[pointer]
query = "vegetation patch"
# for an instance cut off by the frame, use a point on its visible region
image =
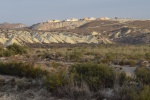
(13, 49)
(21, 70)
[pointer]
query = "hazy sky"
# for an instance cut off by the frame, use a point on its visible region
(34, 11)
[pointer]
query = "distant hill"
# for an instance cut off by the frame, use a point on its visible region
(11, 26)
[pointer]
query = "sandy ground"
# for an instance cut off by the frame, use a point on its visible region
(130, 71)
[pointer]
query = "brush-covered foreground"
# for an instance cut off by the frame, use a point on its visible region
(79, 73)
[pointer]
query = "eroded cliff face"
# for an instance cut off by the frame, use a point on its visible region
(122, 35)
(55, 25)
(8, 37)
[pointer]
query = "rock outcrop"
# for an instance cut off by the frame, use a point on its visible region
(55, 25)
(8, 37)
(128, 35)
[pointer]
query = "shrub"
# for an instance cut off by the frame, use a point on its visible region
(21, 70)
(2, 82)
(130, 62)
(95, 75)
(145, 93)
(17, 49)
(55, 80)
(143, 74)
(75, 92)
(133, 93)
(147, 55)
(122, 78)
(74, 55)
(127, 93)
(55, 64)
(13, 50)
(110, 56)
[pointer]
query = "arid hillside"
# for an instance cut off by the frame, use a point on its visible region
(78, 32)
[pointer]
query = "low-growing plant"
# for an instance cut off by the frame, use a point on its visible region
(13, 50)
(143, 75)
(75, 55)
(56, 64)
(145, 93)
(129, 62)
(147, 56)
(21, 70)
(75, 92)
(97, 76)
(55, 80)
(133, 92)
(2, 82)
(17, 49)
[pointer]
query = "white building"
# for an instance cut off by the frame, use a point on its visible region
(104, 18)
(71, 20)
(74, 19)
(68, 20)
(92, 18)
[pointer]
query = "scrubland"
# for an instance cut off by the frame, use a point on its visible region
(80, 72)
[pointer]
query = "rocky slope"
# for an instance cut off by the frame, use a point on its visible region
(55, 25)
(131, 36)
(8, 37)
(98, 31)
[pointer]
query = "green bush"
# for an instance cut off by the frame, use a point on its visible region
(110, 56)
(55, 80)
(143, 75)
(55, 64)
(134, 93)
(147, 55)
(95, 75)
(21, 70)
(74, 55)
(17, 49)
(13, 50)
(145, 93)
(130, 62)
(122, 78)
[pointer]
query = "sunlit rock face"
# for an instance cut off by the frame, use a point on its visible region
(8, 37)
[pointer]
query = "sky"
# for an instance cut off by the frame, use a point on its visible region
(35, 11)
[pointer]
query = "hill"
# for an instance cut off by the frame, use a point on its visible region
(78, 32)
(11, 26)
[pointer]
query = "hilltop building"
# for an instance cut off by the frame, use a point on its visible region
(92, 18)
(88, 18)
(71, 20)
(104, 18)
